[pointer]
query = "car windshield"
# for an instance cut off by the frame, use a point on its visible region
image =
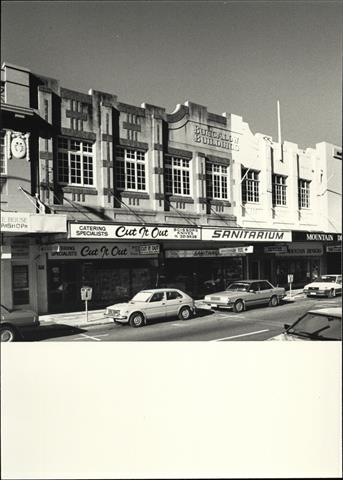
(325, 279)
(317, 327)
(141, 296)
(239, 287)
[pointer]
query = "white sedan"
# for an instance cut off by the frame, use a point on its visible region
(324, 286)
(152, 304)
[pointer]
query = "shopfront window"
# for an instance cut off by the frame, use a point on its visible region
(20, 284)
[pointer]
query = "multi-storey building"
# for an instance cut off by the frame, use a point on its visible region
(190, 199)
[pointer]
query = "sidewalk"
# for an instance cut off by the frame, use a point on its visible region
(97, 317)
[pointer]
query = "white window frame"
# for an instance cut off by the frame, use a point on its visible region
(251, 181)
(4, 153)
(182, 167)
(304, 194)
(216, 171)
(279, 190)
(83, 153)
(136, 158)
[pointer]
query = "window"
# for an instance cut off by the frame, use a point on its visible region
(20, 283)
(3, 162)
(265, 286)
(250, 185)
(75, 162)
(173, 295)
(279, 190)
(157, 297)
(177, 176)
(130, 169)
(216, 181)
(304, 193)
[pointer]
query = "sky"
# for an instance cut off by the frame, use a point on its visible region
(232, 56)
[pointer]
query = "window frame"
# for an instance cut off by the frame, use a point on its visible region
(215, 179)
(304, 193)
(178, 175)
(3, 153)
(279, 190)
(250, 186)
(86, 163)
(124, 179)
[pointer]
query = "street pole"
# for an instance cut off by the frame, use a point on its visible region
(86, 304)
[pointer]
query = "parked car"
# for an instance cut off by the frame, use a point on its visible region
(325, 286)
(15, 322)
(322, 324)
(152, 304)
(246, 293)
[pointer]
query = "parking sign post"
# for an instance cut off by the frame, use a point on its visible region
(290, 281)
(86, 294)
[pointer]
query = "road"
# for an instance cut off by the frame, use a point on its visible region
(251, 325)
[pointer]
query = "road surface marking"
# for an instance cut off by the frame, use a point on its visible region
(83, 335)
(241, 335)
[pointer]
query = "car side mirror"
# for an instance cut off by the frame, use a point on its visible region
(286, 326)
(252, 291)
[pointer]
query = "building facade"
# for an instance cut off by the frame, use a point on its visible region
(123, 197)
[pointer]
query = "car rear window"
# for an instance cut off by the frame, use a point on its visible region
(172, 295)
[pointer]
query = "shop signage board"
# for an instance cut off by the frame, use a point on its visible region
(276, 249)
(133, 232)
(245, 235)
(316, 236)
(191, 253)
(90, 251)
(307, 249)
(25, 222)
(334, 248)
(15, 222)
(236, 250)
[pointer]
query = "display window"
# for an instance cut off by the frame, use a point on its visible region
(20, 284)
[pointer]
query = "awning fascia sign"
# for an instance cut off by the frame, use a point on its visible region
(148, 232)
(245, 235)
(316, 236)
(133, 232)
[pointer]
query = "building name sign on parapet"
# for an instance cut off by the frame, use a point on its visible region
(231, 234)
(101, 251)
(133, 232)
(215, 137)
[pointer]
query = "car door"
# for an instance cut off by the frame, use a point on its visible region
(174, 300)
(156, 307)
(265, 292)
(252, 298)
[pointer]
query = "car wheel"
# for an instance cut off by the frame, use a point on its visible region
(273, 302)
(332, 293)
(8, 334)
(184, 313)
(136, 320)
(238, 306)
